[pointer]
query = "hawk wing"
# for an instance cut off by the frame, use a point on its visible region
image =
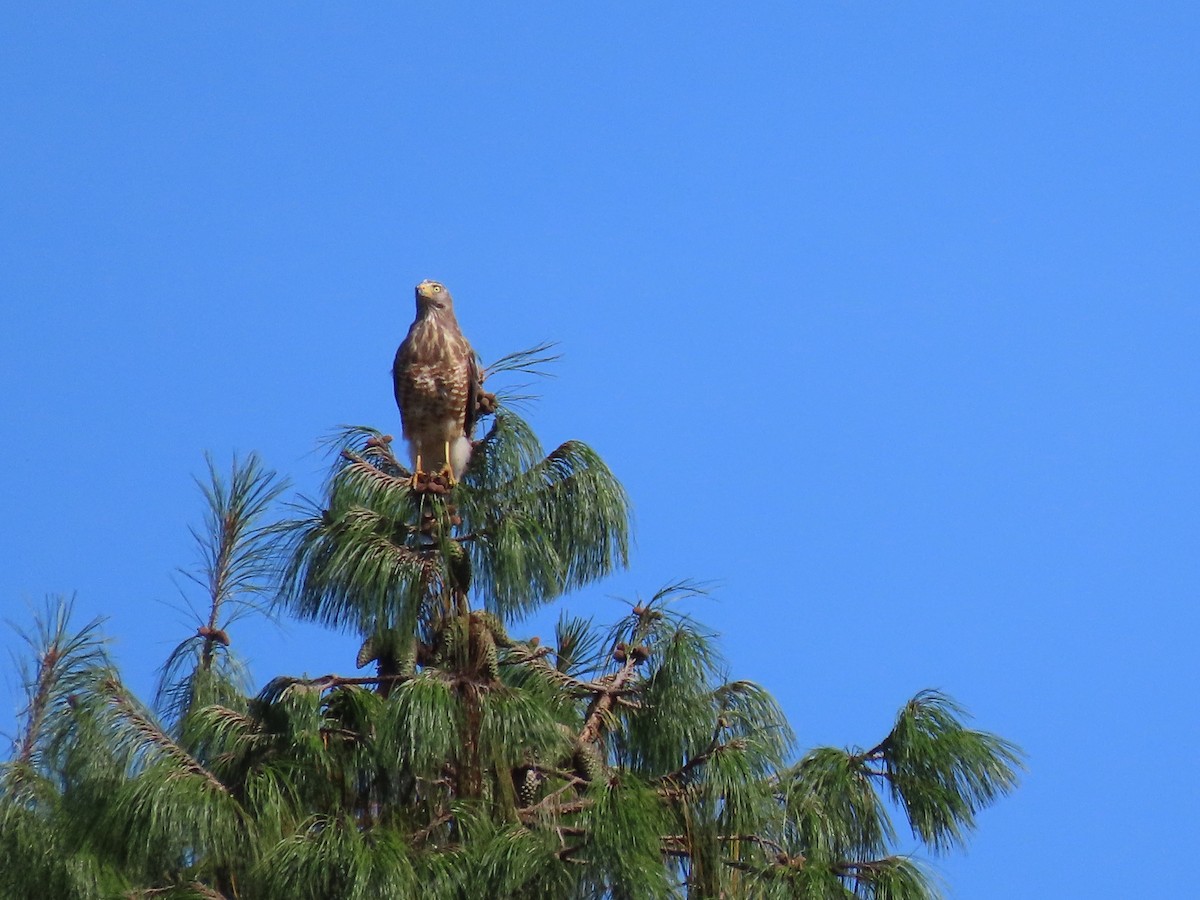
(475, 382)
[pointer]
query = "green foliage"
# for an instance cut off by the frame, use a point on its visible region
(332, 856)
(942, 772)
(48, 787)
(519, 530)
(63, 667)
(237, 561)
(619, 762)
(359, 563)
(539, 530)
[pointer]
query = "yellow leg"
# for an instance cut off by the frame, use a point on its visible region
(435, 482)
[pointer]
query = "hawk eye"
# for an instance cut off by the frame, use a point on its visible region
(437, 288)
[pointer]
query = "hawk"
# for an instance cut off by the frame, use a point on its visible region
(437, 382)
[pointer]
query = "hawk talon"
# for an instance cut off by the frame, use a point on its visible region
(432, 482)
(446, 476)
(419, 482)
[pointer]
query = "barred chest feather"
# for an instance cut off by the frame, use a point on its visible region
(433, 375)
(433, 381)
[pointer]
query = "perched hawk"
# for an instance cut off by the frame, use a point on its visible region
(437, 386)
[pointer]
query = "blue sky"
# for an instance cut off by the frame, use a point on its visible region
(886, 315)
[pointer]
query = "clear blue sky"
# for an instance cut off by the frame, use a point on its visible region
(886, 315)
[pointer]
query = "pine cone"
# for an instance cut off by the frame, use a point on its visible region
(213, 634)
(491, 657)
(589, 764)
(366, 653)
(529, 781)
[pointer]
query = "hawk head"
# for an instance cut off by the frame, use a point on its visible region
(432, 296)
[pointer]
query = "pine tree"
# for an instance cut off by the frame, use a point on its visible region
(616, 761)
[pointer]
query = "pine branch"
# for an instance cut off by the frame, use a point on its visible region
(672, 779)
(536, 660)
(236, 564)
(550, 804)
(942, 772)
(419, 837)
(197, 890)
(530, 361)
(235, 554)
(66, 665)
(685, 841)
(39, 703)
(152, 735)
(602, 705)
(324, 682)
(384, 479)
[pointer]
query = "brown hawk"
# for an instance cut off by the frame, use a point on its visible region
(437, 383)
